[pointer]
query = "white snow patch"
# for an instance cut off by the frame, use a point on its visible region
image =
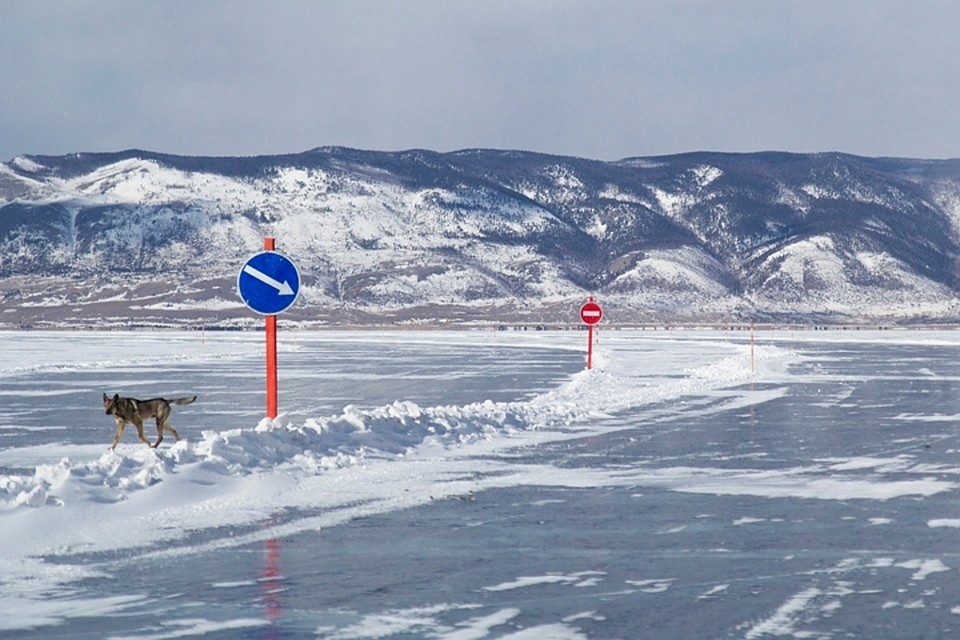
(26, 164)
(944, 522)
(924, 567)
(714, 592)
(654, 585)
(585, 578)
(783, 621)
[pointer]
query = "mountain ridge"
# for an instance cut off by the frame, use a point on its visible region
(481, 236)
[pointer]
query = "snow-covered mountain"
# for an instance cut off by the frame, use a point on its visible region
(135, 237)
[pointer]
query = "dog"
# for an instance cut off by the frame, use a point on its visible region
(135, 411)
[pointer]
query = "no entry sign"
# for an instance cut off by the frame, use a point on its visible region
(590, 313)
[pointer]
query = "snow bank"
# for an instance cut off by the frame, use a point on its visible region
(617, 385)
(357, 435)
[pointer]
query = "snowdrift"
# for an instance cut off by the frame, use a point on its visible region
(354, 436)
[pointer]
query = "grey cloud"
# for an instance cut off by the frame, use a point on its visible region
(597, 79)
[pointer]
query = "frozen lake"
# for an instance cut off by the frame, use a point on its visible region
(481, 485)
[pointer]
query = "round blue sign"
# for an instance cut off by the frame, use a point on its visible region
(268, 283)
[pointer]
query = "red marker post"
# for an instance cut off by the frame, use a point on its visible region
(268, 283)
(270, 326)
(591, 313)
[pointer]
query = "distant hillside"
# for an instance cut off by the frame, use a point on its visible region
(134, 237)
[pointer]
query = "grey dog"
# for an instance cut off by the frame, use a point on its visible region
(135, 411)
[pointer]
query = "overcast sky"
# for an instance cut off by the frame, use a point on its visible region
(602, 79)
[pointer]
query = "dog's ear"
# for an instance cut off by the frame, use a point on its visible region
(116, 397)
(104, 397)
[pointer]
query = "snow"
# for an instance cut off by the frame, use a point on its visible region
(612, 191)
(355, 435)
(377, 243)
(781, 623)
(812, 277)
(945, 522)
(673, 204)
(366, 459)
(576, 579)
(924, 567)
(318, 213)
(26, 164)
(685, 271)
(676, 203)
(805, 482)
(704, 175)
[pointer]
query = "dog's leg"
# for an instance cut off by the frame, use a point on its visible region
(176, 436)
(138, 423)
(165, 426)
(120, 425)
(163, 422)
(159, 433)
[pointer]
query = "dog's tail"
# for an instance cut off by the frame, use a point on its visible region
(187, 400)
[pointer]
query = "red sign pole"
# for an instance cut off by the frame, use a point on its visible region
(591, 313)
(589, 346)
(269, 244)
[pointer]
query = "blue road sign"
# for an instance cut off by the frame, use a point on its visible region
(268, 283)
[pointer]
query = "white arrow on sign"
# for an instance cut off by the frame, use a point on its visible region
(283, 288)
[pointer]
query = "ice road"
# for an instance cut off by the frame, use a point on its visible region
(483, 485)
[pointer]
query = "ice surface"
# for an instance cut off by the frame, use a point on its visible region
(482, 484)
